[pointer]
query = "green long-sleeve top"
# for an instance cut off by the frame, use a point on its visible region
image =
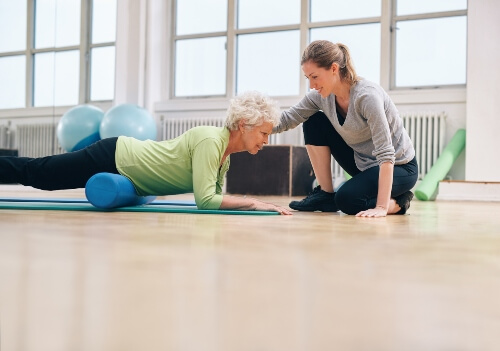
(188, 163)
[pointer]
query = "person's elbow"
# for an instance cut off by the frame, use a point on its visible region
(208, 202)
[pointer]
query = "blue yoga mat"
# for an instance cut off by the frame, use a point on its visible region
(46, 206)
(85, 201)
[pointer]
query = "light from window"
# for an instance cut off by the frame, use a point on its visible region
(57, 23)
(13, 22)
(411, 7)
(56, 78)
(263, 13)
(103, 21)
(268, 62)
(201, 16)
(334, 10)
(431, 52)
(102, 80)
(363, 41)
(13, 82)
(200, 67)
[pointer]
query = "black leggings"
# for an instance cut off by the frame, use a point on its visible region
(360, 192)
(66, 171)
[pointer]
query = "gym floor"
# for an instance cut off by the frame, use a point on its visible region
(429, 280)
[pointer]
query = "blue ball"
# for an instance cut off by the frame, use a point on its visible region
(128, 120)
(79, 127)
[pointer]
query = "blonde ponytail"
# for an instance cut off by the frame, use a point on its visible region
(325, 53)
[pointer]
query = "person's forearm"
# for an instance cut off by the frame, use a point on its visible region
(249, 204)
(237, 203)
(385, 184)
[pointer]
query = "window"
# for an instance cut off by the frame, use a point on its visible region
(430, 43)
(256, 70)
(102, 50)
(201, 66)
(363, 41)
(12, 53)
(335, 10)
(264, 13)
(256, 44)
(44, 61)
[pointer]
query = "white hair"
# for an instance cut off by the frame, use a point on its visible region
(254, 108)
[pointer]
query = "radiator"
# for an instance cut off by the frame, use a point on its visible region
(37, 140)
(173, 127)
(6, 137)
(426, 130)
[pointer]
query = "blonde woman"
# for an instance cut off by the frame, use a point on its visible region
(354, 120)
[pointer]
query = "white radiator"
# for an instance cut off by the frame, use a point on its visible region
(5, 137)
(173, 127)
(426, 130)
(37, 140)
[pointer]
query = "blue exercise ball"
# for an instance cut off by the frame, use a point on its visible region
(79, 127)
(128, 120)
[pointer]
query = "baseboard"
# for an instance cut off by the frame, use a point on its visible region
(468, 191)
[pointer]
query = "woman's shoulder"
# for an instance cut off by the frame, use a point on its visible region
(366, 84)
(366, 87)
(207, 133)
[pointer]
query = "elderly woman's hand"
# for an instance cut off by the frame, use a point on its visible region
(263, 206)
(250, 204)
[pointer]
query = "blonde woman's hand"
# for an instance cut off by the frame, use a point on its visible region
(378, 211)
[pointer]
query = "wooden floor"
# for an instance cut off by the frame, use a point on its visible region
(85, 281)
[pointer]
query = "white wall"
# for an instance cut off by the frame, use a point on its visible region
(143, 66)
(483, 91)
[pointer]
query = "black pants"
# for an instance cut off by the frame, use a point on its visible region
(360, 192)
(66, 171)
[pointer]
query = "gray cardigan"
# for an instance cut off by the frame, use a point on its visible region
(372, 128)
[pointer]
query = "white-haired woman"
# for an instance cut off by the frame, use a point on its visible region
(196, 161)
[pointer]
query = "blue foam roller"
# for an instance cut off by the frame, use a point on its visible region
(108, 190)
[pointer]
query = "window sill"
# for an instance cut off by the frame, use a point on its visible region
(428, 96)
(48, 111)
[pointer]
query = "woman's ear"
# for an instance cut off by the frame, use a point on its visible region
(241, 126)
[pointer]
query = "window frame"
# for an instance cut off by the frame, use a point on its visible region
(387, 20)
(393, 31)
(84, 48)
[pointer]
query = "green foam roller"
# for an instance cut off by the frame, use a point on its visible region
(441, 167)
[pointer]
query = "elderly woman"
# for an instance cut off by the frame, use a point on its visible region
(196, 161)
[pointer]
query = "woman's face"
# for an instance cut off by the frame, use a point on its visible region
(320, 79)
(254, 139)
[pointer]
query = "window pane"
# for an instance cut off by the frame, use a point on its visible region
(12, 21)
(103, 21)
(431, 52)
(262, 13)
(200, 67)
(201, 16)
(269, 62)
(13, 82)
(56, 78)
(333, 10)
(411, 7)
(363, 41)
(102, 76)
(57, 23)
